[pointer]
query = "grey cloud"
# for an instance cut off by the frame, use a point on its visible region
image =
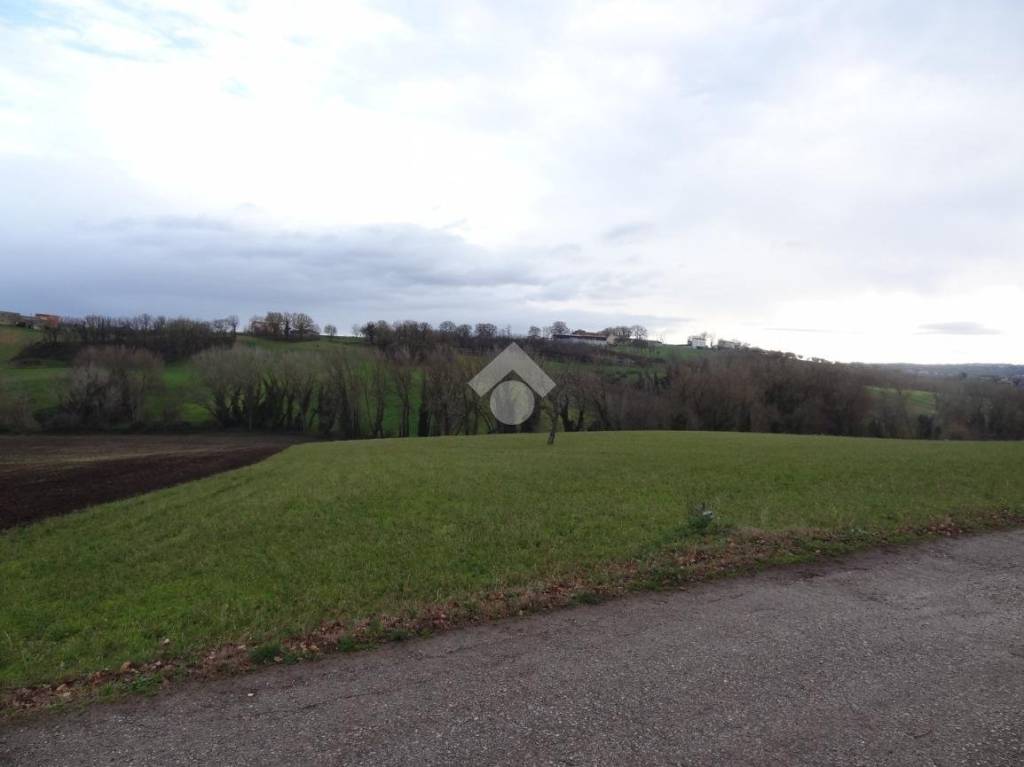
(208, 267)
(628, 232)
(160, 223)
(957, 329)
(801, 330)
(566, 249)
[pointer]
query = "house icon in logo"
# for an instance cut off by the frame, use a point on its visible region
(512, 402)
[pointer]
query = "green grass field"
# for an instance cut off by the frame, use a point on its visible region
(356, 529)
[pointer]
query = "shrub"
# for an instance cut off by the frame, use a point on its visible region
(16, 412)
(109, 385)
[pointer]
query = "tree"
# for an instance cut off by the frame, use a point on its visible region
(403, 374)
(274, 322)
(534, 332)
(52, 333)
(234, 379)
(110, 384)
(559, 328)
(330, 330)
(486, 330)
(303, 326)
(375, 392)
(232, 321)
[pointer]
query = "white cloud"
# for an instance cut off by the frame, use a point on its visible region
(767, 164)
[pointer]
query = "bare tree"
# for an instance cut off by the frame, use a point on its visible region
(110, 384)
(234, 379)
(330, 330)
(403, 376)
(340, 396)
(275, 323)
(553, 405)
(303, 326)
(375, 392)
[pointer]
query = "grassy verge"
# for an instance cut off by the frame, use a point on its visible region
(336, 545)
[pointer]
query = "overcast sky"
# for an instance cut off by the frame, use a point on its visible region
(842, 179)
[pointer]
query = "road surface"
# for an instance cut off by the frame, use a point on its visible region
(904, 657)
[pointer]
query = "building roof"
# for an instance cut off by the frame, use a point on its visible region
(582, 334)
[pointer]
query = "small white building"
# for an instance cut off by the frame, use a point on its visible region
(700, 341)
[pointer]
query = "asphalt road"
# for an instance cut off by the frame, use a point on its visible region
(902, 657)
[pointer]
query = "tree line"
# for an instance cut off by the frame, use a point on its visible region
(410, 379)
(344, 394)
(287, 326)
(171, 339)
(418, 336)
(347, 393)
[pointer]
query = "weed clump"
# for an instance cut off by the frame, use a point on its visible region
(701, 519)
(266, 653)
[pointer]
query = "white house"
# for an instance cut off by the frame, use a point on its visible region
(699, 341)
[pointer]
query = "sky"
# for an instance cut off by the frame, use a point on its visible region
(838, 179)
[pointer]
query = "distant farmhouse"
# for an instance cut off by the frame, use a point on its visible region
(701, 341)
(585, 337)
(36, 321)
(705, 341)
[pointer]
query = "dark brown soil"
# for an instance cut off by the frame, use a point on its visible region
(48, 476)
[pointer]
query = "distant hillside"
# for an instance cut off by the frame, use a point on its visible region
(971, 369)
(413, 386)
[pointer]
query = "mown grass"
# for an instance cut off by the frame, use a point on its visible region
(356, 529)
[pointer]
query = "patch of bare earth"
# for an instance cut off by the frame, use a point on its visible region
(46, 476)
